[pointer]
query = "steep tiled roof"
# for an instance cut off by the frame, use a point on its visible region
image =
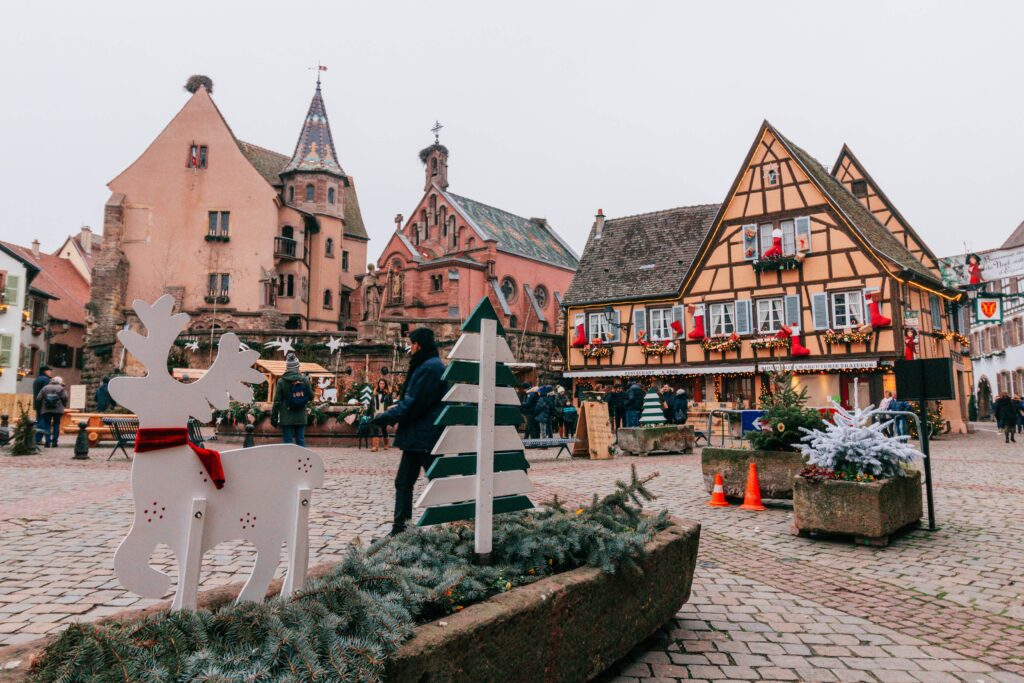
(269, 164)
(58, 278)
(314, 152)
(641, 256)
(353, 216)
(532, 239)
(862, 220)
(1016, 239)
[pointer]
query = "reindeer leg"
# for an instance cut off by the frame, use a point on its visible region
(131, 565)
(190, 561)
(298, 545)
(268, 554)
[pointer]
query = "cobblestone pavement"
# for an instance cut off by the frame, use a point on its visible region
(934, 606)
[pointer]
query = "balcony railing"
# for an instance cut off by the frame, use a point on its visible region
(285, 248)
(217, 297)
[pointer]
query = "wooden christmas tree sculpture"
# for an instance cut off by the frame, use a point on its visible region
(483, 468)
(193, 498)
(652, 413)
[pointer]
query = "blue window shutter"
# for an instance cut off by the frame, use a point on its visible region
(819, 310)
(793, 312)
(803, 232)
(750, 252)
(639, 323)
(743, 322)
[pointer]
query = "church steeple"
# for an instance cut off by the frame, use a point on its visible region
(435, 161)
(314, 152)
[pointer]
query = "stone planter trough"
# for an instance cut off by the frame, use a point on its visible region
(648, 440)
(567, 627)
(775, 470)
(870, 512)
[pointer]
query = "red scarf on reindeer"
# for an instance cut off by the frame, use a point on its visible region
(159, 438)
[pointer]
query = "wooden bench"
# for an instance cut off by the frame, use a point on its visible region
(195, 432)
(562, 444)
(124, 430)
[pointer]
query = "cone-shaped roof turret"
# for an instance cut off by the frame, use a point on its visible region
(314, 152)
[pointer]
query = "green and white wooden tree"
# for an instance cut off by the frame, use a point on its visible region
(652, 413)
(482, 471)
(366, 395)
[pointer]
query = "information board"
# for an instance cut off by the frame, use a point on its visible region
(930, 379)
(593, 433)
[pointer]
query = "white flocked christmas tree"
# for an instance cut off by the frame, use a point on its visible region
(652, 413)
(855, 443)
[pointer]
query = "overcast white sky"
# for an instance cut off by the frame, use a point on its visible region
(550, 108)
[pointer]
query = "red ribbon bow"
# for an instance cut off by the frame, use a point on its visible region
(159, 438)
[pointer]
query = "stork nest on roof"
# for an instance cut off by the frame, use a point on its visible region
(196, 80)
(426, 151)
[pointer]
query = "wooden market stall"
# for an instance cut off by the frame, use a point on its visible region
(273, 370)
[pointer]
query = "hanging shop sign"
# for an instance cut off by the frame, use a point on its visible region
(989, 310)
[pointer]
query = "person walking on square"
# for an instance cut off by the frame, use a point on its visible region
(53, 399)
(542, 410)
(1019, 405)
(1006, 416)
(529, 408)
(291, 398)
(682, 407)
(668, 404)
(379, 402)
(41, 381)
(415, 413)
(633, 404)
(616, 411)
(104, 401)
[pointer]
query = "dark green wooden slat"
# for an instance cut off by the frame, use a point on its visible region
(439, 514)
(466, 372)
(483, 311)
(466, 415)
(452, 465)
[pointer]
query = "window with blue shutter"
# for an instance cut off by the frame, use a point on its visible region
(6, 344)
(793, 313)
(743, 316)
(803, 234)
(819, 310)
(639, 323)
(750, 252)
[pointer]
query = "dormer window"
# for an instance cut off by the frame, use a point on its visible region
(197, 156)
(859, 188)
(330, 195)
(291, 193)
(309, 192)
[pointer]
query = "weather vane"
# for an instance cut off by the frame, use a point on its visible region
(436, 130)
(319, 67)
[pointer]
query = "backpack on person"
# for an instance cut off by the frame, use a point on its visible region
(51, 400)
(298, 396)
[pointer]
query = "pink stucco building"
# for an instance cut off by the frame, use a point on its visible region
(241, 236)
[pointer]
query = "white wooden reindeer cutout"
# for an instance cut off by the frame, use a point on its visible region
(191, 498)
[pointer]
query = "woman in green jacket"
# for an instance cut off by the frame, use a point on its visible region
(293, 395)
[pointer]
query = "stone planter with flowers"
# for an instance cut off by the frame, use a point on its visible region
(859, 482)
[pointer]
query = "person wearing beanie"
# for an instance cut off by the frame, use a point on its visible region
(417, 409)
(53, 399)
(531, 395)
(43, 379)
(291, 398)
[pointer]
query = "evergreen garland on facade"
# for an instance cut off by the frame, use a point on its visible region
(342, 627)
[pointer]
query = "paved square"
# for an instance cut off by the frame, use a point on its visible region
(942, 606)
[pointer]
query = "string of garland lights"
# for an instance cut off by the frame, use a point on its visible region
(847, 336)
(776, 263)
(951, 336)
(596, 351)
(769, 343)
(720, 345)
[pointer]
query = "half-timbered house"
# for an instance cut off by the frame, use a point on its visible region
(794, 271)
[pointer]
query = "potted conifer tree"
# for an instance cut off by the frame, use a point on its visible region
(773, 449)
(859, 481)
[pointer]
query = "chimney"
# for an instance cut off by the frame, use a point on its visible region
(35, 248)
(85, 239)
(598, 224)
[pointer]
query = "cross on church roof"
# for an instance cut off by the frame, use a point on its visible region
(436, 130)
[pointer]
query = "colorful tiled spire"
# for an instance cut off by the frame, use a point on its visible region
(315, 151)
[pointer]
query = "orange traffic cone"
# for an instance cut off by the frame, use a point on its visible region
(752, 496)
(718, 494)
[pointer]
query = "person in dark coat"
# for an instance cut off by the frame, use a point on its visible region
(529, 409)
(104, 401)
(1006, 416)
(415, 413)
(682, 407)
(291, 400)
(668, 404)
(542, 410)
(53, 399)
(633, 404)
(45, 374)
(616, 411)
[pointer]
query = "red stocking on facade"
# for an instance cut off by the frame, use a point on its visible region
(698, 323)
(677, 327)
(775, 250)
(874, 307)
(796, 348)
(581, 338)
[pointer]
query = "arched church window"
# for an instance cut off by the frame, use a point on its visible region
(328, 299)
(509, 289)
(330, 195)
(291, 193)
(540, 293)
(329, 247)
(309, 192)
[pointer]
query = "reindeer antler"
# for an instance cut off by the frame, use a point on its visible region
(162, 329)
(230, 374)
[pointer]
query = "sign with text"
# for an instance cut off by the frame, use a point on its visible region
(77, 397)
(986, 266)
(912, 319)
